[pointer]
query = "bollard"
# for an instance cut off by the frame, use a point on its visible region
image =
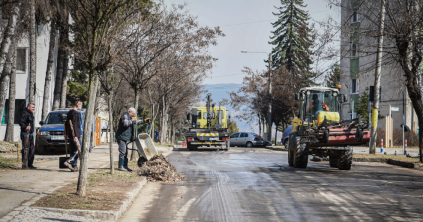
(405, 147)
(381, 145)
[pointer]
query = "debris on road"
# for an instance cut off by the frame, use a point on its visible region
(6, 147)
(158, 169)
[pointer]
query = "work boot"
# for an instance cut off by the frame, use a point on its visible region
(69, 166)
(125, 165)
(76, 168)
(120, 164)
(32, 167)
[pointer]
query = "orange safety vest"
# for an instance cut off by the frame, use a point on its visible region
(323, 105)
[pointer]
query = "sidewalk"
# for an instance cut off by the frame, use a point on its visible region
(18, 187)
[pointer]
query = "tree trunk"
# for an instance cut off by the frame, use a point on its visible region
(173, 132)
(50, 61)
(82, 178)
(112, 165)
(59, 73)
(276, 134)
(4, 79)
(8, 36)
(97, 104)
(12, 94)
(64, 85)
(33, 54)
(136, 90)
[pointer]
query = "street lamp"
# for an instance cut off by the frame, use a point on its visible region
(269, 115)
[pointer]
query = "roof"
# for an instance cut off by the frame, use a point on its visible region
(319, 89)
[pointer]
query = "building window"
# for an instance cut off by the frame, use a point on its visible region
(21, 60)
(354, 49)
(19, 107)
(355, 17)
(354, 86)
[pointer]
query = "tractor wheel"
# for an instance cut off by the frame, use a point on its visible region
(300, 153)
(333, 161)
(189, 147)
(290, 157)
(345, 160)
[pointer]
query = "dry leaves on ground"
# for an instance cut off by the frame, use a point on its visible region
(158, 168)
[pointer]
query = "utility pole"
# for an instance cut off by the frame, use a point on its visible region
(373, 130)
(269, 115)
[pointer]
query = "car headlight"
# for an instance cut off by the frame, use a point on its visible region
(44, 133)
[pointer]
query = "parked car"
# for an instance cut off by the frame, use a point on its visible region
(50, 136)
(246, 139)
(285, 136)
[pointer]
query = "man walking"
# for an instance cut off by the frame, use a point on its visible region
(124, 134)
(75, 117)
(26, 123)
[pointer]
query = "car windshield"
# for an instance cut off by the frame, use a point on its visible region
(56, 118)
(320, 101)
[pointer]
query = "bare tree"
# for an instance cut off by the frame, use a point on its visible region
(402, 47)
(97, 26)
(12, 94)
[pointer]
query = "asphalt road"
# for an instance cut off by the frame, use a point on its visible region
(258, 185)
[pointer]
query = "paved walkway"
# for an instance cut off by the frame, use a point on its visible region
(18, 188)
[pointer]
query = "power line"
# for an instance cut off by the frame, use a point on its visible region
(246, 23)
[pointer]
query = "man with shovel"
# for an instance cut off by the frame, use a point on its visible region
(74, 135)
(125, 134)
(26, 123)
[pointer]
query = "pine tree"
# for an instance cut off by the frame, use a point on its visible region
(292, 40)
(332, 80)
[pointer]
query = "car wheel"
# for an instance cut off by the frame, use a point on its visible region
(249, 144)
(286, 144)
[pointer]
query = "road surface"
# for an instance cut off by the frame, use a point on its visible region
(258, 185)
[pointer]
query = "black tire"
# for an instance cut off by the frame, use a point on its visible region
(189, 147)
(345, 160)
(228, 145)
(286, 144)
(291, 148)
(141, 161)
(300, 153)
(333, 161)
(249, 144)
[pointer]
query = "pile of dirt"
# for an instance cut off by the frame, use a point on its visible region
(158, 169)
(6, 147)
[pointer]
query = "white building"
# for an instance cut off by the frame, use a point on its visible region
(22, 75)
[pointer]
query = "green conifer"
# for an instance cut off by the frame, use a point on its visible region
(292, 40)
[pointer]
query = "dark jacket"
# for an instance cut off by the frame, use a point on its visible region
(76, 123)
(27, 119)
(125, 127)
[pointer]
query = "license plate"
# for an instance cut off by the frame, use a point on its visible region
(214, 138)
(57, 138)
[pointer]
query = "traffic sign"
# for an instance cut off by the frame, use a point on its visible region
(394, 109)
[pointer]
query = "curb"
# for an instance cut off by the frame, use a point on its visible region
(98, 214)
(405, 164)
(278, 149)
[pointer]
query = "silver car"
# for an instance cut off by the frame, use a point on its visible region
(245, 139)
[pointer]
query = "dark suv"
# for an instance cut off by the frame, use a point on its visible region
(50, 136)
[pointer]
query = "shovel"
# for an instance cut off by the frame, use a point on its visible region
(73, 136)
(62, 160)
(25, 157)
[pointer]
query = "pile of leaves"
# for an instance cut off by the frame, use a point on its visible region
(158, 169)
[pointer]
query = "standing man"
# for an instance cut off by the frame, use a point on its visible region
(27, 124)
(124, 134)
(75, 117)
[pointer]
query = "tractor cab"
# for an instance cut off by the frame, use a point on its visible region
(316, 103)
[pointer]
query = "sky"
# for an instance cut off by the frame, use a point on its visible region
(247, 26)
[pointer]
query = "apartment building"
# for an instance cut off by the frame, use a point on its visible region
(358, 73)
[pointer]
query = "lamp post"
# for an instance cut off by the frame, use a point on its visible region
(269, 115)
